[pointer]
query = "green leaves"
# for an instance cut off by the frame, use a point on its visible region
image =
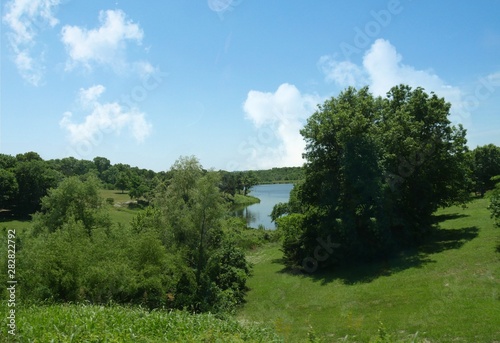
(377, 168)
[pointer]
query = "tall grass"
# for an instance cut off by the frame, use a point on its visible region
(81, 323)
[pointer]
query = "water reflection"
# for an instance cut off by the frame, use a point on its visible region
(269, 195)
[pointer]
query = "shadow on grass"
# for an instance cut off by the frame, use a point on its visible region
(438, 241)
(9, 215)
(443, 217)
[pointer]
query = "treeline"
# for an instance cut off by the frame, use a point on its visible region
(183, 251)
(26, 178)
(377, 169)
(279, 175)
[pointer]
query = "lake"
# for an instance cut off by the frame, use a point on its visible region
(269, 195)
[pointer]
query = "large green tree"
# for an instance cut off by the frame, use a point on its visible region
(72, 200)
(34, 178)
(376, 170)
(8, 188)
(486, 164)
(495, 201)
(193, 210)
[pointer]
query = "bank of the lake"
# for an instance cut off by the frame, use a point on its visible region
(244, 200)
(258, 214)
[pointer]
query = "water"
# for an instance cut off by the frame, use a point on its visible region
(269, 195)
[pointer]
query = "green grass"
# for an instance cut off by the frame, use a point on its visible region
(18, 225)
(81, 323)
(123, 209)
(240, 199)
(117, 195)
(446, 291)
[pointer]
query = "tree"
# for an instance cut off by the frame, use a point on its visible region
(72, 200)
(28, 157)
(8, 188)
(486, 164)
(193, 208)
(102, 164)
(376, 170)
(494, 206)
(425, 158)
(228, 182)
(34, 178)
(122, 181)
(7, 162)
(245, 181)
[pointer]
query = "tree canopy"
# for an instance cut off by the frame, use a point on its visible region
(376, 170)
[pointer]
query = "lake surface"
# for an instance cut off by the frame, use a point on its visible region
(269, 195)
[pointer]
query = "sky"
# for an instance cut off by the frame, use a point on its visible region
(231, 82)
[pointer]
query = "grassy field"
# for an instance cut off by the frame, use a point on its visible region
(123, 208)
(446, 291)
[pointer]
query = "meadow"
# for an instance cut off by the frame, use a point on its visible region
(447, 290)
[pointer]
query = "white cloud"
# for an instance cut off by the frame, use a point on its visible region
(277, 116)
(344, 73)
(104, 118)
(26, 18)
(382, 69)
(104, 45)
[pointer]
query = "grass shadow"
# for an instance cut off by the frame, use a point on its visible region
(416, 257)
(9, 215)
(438, 218)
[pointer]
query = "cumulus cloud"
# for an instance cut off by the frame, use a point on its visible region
(103, 118)
(382, 68)
(278, 117)
(104, 45)
(344, 73)
(25, 19)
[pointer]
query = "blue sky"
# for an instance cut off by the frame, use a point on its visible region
(229, 81)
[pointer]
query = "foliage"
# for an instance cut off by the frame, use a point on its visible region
(486, 164)
(494, 205)
(8, 188)
(193, 209)
(376, 171)
(291, 229)
(34, 178)
(176, 254)
(279, 175)
(72, 200)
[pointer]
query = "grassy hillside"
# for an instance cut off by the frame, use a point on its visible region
(447, 291)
